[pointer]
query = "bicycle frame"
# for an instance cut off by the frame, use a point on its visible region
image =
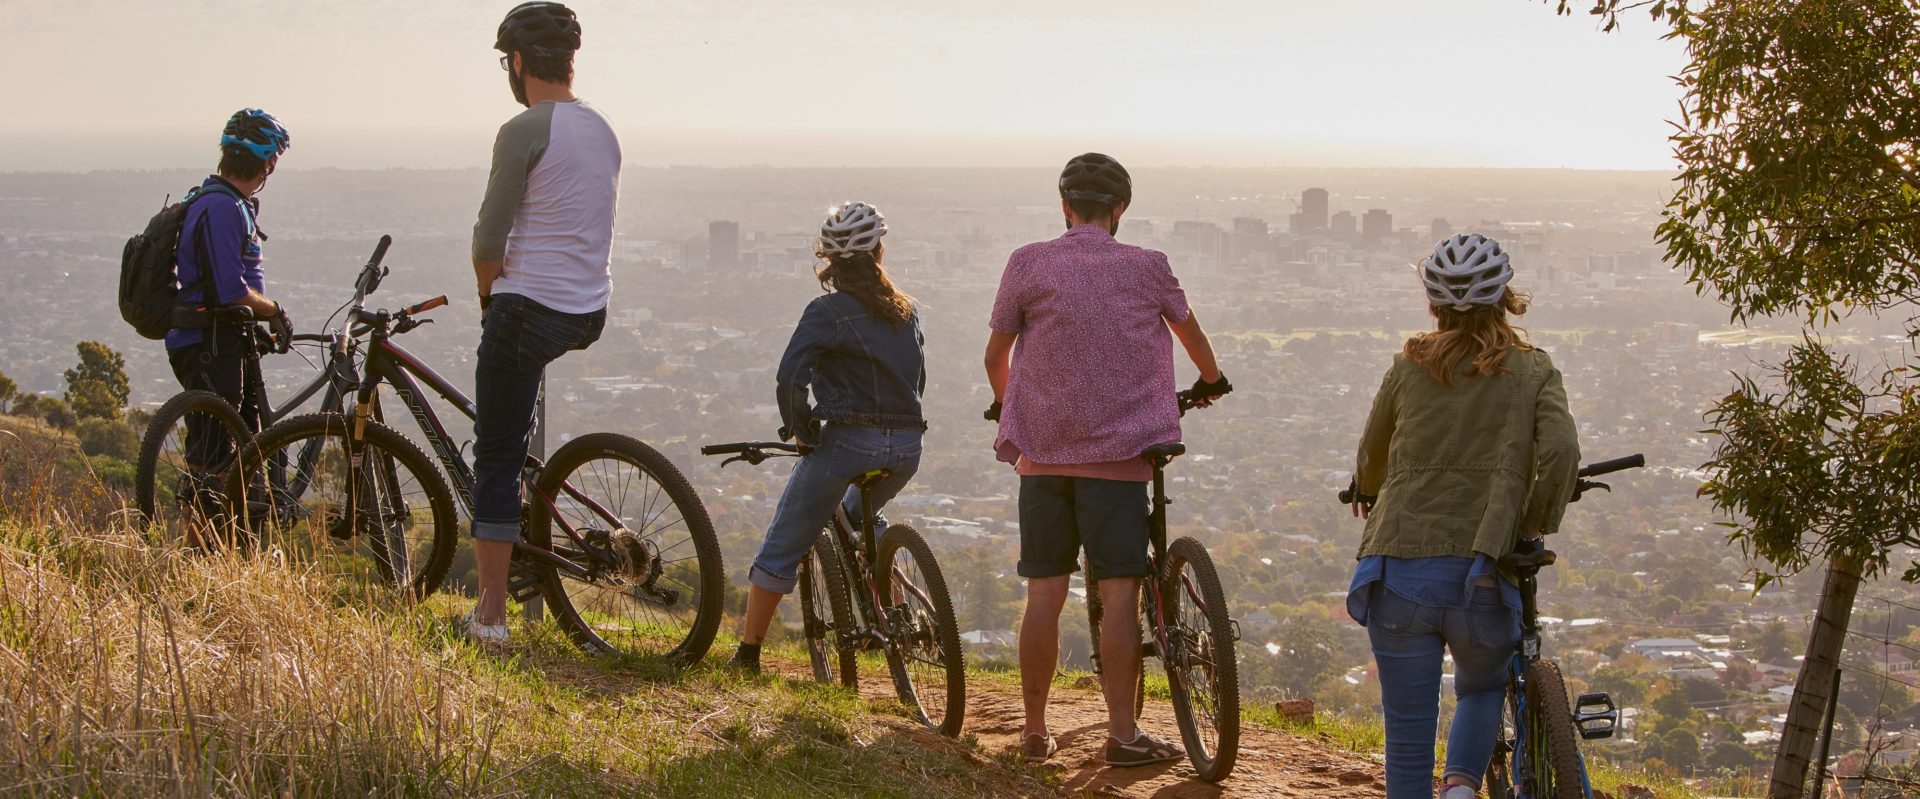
(860, 568)
(387, 362)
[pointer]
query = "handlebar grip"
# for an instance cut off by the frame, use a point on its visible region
(427, 306)
(1346, 495)
(380, 250)
(722, 449)
(315, 337)
(1634, 461)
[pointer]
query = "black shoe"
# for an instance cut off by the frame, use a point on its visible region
(746, 658)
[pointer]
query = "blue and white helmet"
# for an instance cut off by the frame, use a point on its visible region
(1465, 271)
(252, 130)
(850, 228)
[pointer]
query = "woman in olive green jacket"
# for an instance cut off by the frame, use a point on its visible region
(1470, 451)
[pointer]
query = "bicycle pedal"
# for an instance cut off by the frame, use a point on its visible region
(1595, 716)
(523, 585)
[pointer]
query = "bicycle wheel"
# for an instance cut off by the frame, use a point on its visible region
(826, 613)
(1555, 763)
(654, 580)
(179, 489)
(1097, 608)
(1202, 675)
(923, 651)
(310, 485)
(1499, 780)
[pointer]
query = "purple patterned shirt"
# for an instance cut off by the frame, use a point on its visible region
(1092, 378)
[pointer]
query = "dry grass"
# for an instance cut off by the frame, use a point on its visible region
(140, 670)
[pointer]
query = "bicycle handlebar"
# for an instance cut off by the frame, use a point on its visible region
(748, 446)
(1633, 461)
(380, 251)
(1351, 493)
(425, 306)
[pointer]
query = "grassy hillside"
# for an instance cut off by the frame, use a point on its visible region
(134, 670)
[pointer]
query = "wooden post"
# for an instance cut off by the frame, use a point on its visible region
(1826, 740)
(534, 610)
(1813, 689)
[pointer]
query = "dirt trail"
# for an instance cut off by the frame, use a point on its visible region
(1272, 763)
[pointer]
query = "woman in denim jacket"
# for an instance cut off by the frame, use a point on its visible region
(858, 351)
(1471, 451)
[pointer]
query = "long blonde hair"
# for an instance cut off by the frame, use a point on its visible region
(1484, 333)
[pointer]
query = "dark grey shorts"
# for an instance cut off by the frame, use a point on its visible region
(1061, 515)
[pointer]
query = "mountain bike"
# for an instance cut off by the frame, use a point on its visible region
(192, 439)
(1185, 609)
(636, 569)
(861, 594)
(1538, 755)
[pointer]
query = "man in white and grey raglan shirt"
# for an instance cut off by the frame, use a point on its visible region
(541, 255)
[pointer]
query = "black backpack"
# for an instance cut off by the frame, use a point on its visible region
(149, 286)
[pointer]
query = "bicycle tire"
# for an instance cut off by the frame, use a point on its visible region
(387, 448)
(826, 614)
(941, 641)
(147, 469)
(1209, 660)
(1551, 735)
(1096, 607)
(706, 578)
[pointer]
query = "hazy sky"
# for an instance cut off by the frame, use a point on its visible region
(106, 84)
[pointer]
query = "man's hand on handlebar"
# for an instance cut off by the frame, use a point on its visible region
(281, 326)
(1204, 393)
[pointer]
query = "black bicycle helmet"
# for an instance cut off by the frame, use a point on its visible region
(539, 28)
(1096, 178)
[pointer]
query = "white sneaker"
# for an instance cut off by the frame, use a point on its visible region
(493, 634)
(1458, 792)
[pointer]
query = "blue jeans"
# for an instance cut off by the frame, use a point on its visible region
(1409, 640)
(823, 479)
(518, 338)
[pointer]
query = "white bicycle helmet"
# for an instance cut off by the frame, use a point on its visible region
(1465, 271)
(850, 228)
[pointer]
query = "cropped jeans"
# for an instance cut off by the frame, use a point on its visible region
(823, 479)
(1409, 641)
(518, 338)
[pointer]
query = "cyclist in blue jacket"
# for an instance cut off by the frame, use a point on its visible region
(219, 265)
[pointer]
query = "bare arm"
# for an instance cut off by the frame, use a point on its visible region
(262, 307)
(484, 273)
(1199, 348)
(999, 362)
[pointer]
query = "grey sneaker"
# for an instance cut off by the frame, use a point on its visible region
(1143, 750)
(489, 634)
(1038, 748)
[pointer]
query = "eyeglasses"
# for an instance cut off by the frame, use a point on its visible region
(506, 62)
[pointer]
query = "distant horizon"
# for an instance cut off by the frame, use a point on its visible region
(8, 172)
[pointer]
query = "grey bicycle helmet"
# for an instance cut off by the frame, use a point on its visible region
(1465, 271)
(540, 28)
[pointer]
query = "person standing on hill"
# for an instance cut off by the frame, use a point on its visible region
(1471, 452)
(542, 255)
(1089, 388)
(855, 363)
(218, 266)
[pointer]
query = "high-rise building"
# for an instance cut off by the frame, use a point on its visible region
(1376, 227)
(1313, 209)
(1343, 226)
(723, 246)
(1441, 229)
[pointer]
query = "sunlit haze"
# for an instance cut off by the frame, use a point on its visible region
(99, 84)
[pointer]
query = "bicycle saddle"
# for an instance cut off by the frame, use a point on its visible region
(1165, 451)
(873, 478)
